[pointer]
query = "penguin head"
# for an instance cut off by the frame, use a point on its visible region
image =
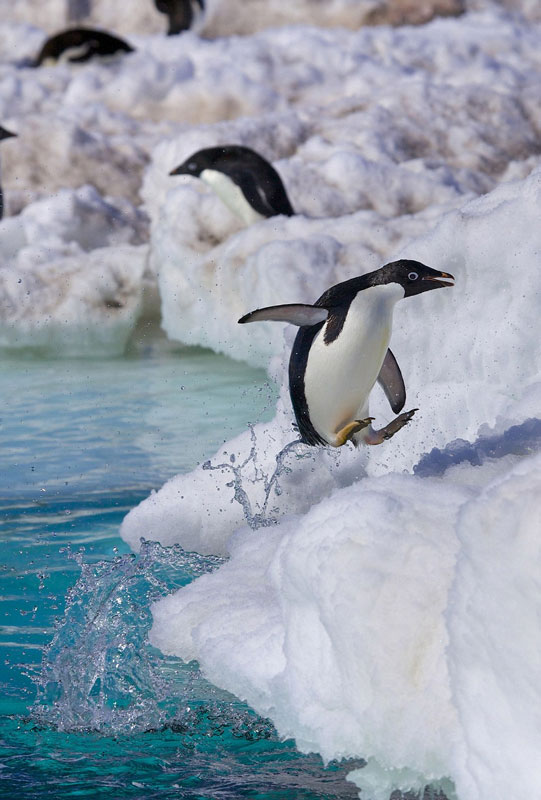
(4, 134)
(414, 277)
(225, 158)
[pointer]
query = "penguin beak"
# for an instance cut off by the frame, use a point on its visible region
(178, 170)
(5, 134)
(440, 280)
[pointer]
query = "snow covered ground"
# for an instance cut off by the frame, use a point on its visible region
(378, 603)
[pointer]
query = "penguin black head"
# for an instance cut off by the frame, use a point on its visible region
(180, 13)
(413, 276)
(4, 134)
(258, 181)
(225, 158)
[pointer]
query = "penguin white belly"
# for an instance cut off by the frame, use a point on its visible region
(228, 191)
(339, 376)
(66, 56)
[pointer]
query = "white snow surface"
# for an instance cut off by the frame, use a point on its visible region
(398, 618)
(226, 17)
(377, 603)
(376, 133)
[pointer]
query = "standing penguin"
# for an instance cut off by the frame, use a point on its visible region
(242, 179)
(181, 13)
(342, 349)
(77, 45)
(4, 134)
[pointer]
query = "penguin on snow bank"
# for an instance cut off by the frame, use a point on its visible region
(341, 350)
(77, 45)
(181, 13)
(242, 179)
(4, 134)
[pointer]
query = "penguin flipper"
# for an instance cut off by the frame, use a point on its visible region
(391, 381)
(295, 313)
(269, 198)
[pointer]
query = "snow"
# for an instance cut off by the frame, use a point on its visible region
(73, 275)
(378, 603)
(382, 622)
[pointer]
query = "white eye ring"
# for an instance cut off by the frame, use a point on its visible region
(412, 276)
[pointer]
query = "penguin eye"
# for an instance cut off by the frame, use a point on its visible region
(412, 276)
(192, 165)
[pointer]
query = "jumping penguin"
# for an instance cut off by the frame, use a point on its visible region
(77, 45)
(341, 350)
(181, 13)
(4, 134)
(242, 179)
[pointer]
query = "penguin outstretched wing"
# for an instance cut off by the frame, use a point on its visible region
(391, 381)
(295, 313)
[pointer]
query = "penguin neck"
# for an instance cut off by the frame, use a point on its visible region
(373, 307)
(230, 194)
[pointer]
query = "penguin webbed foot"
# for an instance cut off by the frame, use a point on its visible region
(377, 437)
(345, 433)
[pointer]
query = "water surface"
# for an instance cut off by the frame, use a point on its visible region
(89, 708)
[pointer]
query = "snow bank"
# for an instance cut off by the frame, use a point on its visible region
(376, 134)
(227, 17)
(373, 612)
(415, 135)
(72, 275)
(243, 17)
(470, 356)
(380, 624)
(495, 640)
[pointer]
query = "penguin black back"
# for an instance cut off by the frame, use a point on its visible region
(4, 134)
(256, 178)
(85, 43)
(179, 12)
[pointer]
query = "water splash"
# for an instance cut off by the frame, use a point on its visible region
(99, 672)
(250, 473)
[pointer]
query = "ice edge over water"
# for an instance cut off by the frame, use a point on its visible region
(367, 620)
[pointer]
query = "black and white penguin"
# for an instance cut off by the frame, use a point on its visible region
(77, 45)
(4, 134)
(242, 179)
(181, 13)
(341, 350)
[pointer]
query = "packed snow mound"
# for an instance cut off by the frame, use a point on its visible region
(54, 152)
(242, 17)
(493, 621)
(380, 625)
(227, 17)
(72, 274)
(366, 173)
(470, 357)
(440, 109)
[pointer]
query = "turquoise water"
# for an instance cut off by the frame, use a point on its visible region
(89, 708)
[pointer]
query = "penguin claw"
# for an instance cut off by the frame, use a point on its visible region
(345, 433)
(397, 424)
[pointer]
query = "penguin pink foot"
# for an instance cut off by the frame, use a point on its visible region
(377, 437)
